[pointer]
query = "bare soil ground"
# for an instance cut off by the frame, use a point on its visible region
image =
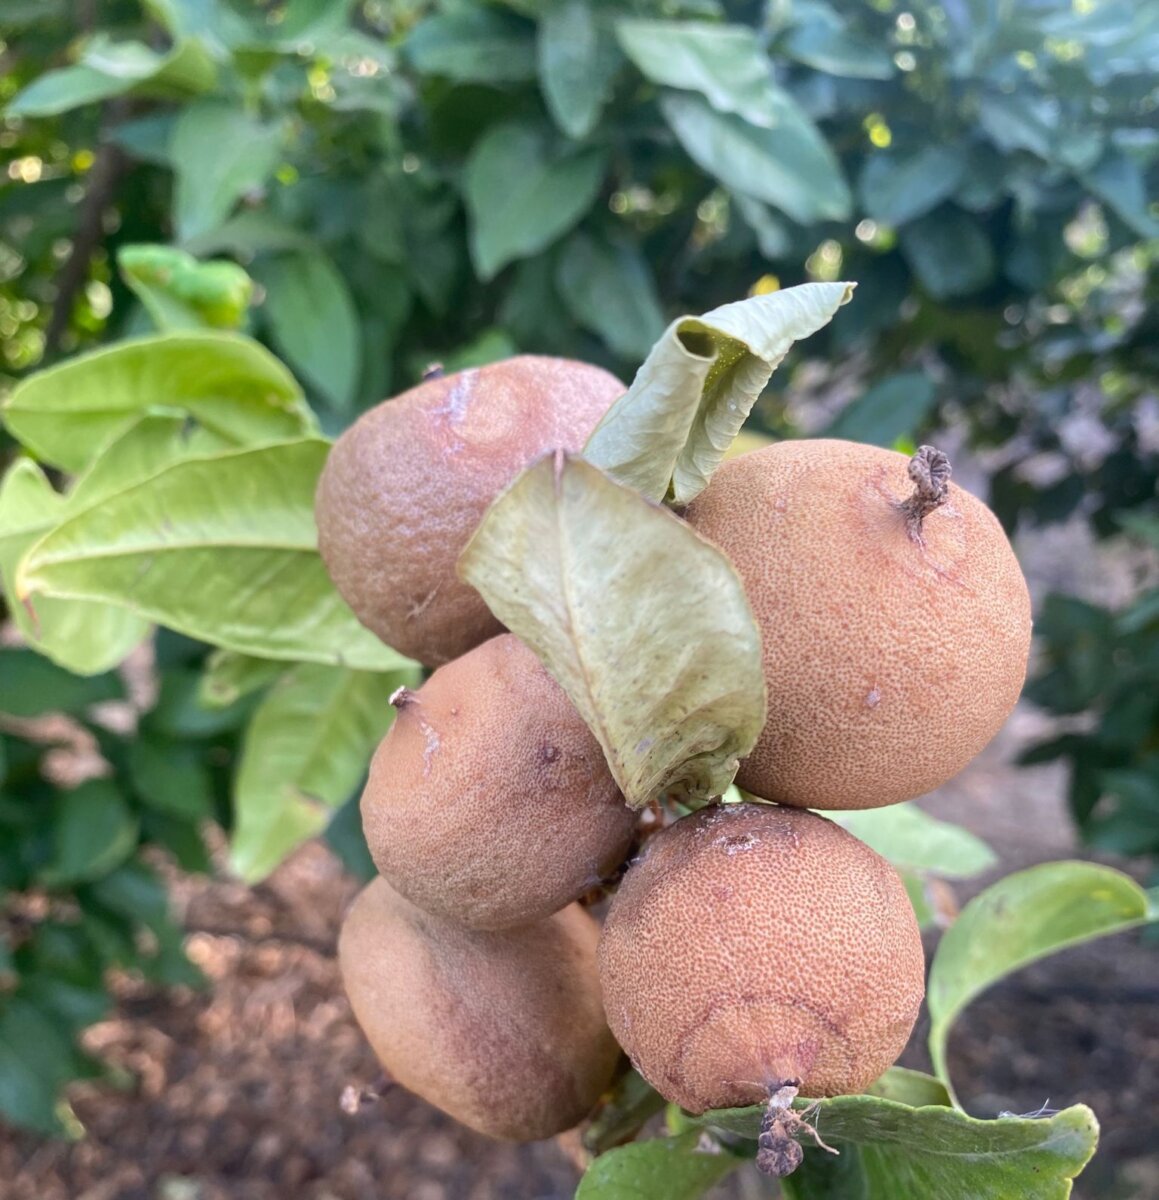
(233, 1093)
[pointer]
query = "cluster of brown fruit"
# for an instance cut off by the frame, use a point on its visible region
(750, 949)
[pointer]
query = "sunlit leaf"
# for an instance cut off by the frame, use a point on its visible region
(306, 749)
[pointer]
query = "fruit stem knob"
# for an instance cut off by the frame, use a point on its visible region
(778, 1152)
(433, 370)
(929, 469)
(401, 697)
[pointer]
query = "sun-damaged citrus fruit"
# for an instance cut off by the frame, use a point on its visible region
(894, 618)
(489, 800)
(752, 947)
(406, 485)
(504, 1031)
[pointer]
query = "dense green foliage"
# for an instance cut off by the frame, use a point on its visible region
(367, 187)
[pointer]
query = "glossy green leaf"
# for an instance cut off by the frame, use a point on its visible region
(948, 252)
(912, 839)
(888, 1150)
(724, 63)
(306, 750)
(554, 191)
(690, 398)
(609, 289)
(473, 45)
(109, 69)
(36, 1059)
(676, 1168)
(229, 676)
(913, 1088)
(229, 384)
(1022, 918)
(312, 318)
(578, 60)
(644, 624)
(788, 165)
(221, 548)
(171, 777)
(220, 154)
(84, 638)
(898, 188)
(93, 831)
(893, 408)
(181, 293)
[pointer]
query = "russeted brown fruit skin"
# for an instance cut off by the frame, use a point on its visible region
(405, 486)
(753, 945)
(890, 661)
(489, 801)
(503, 1031)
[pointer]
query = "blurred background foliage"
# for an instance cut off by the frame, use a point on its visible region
(368, 187)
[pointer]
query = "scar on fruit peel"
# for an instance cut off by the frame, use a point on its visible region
(406, 700)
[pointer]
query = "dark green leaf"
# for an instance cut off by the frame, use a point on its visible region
(578, 61)
(896, 189)
(788, 166)
(94, 831)
(1119, 182)
(676, 1168)
(473, 45)
(609, 289)
(171, 777)
(312, 319)
(220, 155)
(31, 685)
(896, 407)
(553, 193)
(824, 42)
(949, 253)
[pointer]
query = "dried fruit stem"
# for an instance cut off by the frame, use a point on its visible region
(433, 370)
(778, 1152)
(930, 471)
(401, 697)
(353, 1098)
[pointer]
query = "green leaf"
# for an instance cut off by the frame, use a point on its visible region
(824, 42)
(554, 191)
(725, 63)
(229, 676)
(36, 1059)
(912, 839)
(672, 428)
(313, 322)
(1019, 121)
(473, 45)
(115, 69)
(897, 188)
(1023, 918)
(93, 831)
(33, 685)
(893, 408)
(888, 1150)
(230, 384)
(609, 289)
(220, 154)
(948, 252)
(1120, 183)
(578, 62)
(88, 639)
(171, 777)
(788, 166)
(587, 573)
(181, 293)
(674, 1168)
(220, 548)
(623, 1113)
(306, 750)
(913, 1088)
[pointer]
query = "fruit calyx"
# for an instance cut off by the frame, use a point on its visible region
(929, 469)
(778, 1152)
